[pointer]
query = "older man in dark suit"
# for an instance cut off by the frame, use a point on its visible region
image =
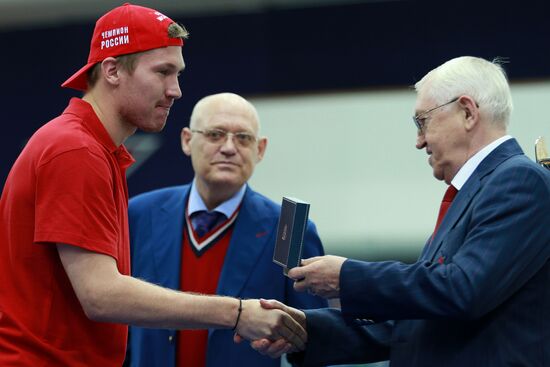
(479, 294)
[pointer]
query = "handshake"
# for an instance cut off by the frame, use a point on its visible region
(274, 328)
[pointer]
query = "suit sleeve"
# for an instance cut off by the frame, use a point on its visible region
(138, 221)
(136, 212)
(501, 241)
(333, 339)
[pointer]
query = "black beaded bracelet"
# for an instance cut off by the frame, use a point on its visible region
(239, 314)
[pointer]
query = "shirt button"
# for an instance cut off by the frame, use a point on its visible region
(170, 338)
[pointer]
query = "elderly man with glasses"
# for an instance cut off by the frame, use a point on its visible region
(214, 236)
(479, 294)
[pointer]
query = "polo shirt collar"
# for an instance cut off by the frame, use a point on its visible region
(86, 113)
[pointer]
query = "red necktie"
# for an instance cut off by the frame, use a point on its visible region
(445, 204)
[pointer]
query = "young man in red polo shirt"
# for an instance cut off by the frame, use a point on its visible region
(65, 289)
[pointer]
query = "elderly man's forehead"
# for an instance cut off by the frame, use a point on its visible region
(422, 103)
(229, 105)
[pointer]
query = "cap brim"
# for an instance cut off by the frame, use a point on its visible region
(79, 80)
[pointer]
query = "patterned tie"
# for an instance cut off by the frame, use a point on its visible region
(445, 204)
(204, 221)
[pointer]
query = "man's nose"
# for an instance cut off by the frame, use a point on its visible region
(228, 146)
(174, 90)
(420, 140)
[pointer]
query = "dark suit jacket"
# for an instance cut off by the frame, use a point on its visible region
(479, 296)
(156, 228)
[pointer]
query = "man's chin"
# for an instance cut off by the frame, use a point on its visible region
(438, 174)
(153, 128)
(225, 182)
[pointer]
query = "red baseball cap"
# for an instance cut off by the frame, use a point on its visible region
(124, 30)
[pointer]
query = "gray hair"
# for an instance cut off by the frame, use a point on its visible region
(483, 80)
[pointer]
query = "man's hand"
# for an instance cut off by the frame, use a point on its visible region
(272, 321)
(319, 275)
(276, 348)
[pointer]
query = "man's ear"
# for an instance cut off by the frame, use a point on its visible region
(110, 70)
(471, 111)
(262, 146)
(185, 137)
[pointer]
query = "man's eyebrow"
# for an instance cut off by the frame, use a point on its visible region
(170, 66)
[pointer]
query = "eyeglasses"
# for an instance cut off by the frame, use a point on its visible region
(218, 136)
(420, 120)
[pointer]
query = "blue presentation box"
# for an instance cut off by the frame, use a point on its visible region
(290, 233)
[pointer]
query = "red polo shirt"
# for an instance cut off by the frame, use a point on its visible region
(67, 186)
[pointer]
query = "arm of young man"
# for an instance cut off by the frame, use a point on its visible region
(108, 296)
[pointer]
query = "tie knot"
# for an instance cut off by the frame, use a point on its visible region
(450, 194)
(204, 221)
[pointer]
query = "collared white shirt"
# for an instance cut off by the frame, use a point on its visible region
(471, 164)
(228, 207)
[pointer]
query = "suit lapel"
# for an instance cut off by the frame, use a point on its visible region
(168, 230)
(464, 197)
(250, 236)
(459, 205)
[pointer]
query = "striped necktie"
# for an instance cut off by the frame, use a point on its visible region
(204, 221)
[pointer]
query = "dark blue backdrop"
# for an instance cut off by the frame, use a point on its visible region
(375, 45)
